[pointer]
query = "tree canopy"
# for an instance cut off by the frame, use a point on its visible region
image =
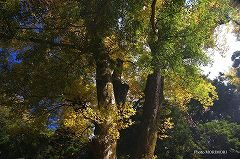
(75, 74)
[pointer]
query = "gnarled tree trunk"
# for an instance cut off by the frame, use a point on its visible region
(109, 89)
(103, 147)
(148, 130)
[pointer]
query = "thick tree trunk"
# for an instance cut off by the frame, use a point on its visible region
(103, 147)
(110, 89)
(148, 130)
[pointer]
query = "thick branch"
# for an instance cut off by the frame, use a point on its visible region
(49, 28)
(49, 42)
(120, 89)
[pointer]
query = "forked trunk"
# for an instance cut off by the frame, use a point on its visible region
(103, 147)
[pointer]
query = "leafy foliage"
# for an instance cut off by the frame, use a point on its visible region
(220, 135)
(54, 54)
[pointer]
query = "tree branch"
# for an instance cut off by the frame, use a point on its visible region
(152, 19)
(50, 43)
(50, 28)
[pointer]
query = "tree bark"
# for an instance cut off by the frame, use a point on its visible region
(148, 129)
(120, 88)
(108, 84)
(110, 89)
(103, 147)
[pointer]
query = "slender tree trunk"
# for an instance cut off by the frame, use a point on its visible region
(148, 130)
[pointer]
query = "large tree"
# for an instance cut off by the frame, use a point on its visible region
(74, 52)
(78, 60)
(179, 33)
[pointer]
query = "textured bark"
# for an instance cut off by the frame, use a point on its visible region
(107, 84)
(120, 88)
(103, 147)
(152, 19)
(148, 130)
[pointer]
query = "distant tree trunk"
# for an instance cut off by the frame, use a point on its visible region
(148, 129)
